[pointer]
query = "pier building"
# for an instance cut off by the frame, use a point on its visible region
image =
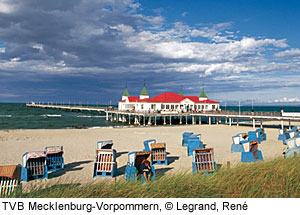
(166, 102)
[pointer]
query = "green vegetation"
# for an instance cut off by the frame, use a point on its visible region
(277, 178)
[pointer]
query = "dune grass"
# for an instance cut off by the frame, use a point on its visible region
(277, 178)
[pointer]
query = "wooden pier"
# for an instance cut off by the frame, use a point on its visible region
(169, 118)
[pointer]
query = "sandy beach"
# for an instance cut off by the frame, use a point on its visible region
(79, 148)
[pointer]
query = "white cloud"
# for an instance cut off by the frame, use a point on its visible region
(6, 6)
(8, 95)
(287, 100)
(291, 53)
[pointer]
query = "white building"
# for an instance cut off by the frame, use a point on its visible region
(166, 102)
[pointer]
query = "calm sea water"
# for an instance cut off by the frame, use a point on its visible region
(18, 116)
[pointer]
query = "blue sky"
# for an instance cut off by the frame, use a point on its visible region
(85, 51)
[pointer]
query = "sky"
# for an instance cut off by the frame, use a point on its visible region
(87, 51)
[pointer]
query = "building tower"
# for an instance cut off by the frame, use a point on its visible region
(125, 93)
(144, 94)
(202, 96)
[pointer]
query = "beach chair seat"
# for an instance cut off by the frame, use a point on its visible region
(9, 179)
(203, 161)
(194, 143)
(54, 158)
(135, 159)
(159, 153)
(185, 137)
(237, 148)
(105, 144)
(147, 145)
(34, 166)
(253, 154)
(105, 164)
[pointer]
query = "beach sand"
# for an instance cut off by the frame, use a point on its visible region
(80, 144)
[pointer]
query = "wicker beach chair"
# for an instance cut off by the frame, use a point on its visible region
(135, 159)
(203, 161)
(105, 164)
(159, 153)
(54, 159)
(34, 166)
(9, 179)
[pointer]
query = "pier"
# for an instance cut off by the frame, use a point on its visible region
(172, 117)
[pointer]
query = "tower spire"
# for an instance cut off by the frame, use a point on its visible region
(202, 95)
(125, 93)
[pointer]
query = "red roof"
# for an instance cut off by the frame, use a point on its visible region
(169, 97)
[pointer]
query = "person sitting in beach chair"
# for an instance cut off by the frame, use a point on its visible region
(254, 149)
(145, 169)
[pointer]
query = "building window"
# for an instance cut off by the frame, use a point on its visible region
(213, 107)
(142, 106)
(162, 106)
(176, 107)
(167, 106)
(172, 107)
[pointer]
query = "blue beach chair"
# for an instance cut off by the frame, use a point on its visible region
(194, 143)
(203, 161)
(262, 136)
(185, 137)
(238, 142)
(135, 159)
(253, 154)
(293, 145)
(105, 164)
(54, 158)
(34, 166)
(147, 144)
(159, 154)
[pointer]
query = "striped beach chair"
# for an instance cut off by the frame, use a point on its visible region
(135, 159)
(159, 153)
(203, 161)
(54, 158)
(34, 166)
(9, 179)
(105, 144)
(105, 164)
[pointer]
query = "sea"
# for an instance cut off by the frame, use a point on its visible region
(18, 116)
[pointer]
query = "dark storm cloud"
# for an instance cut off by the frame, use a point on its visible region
(80, 33)
(87, 50)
